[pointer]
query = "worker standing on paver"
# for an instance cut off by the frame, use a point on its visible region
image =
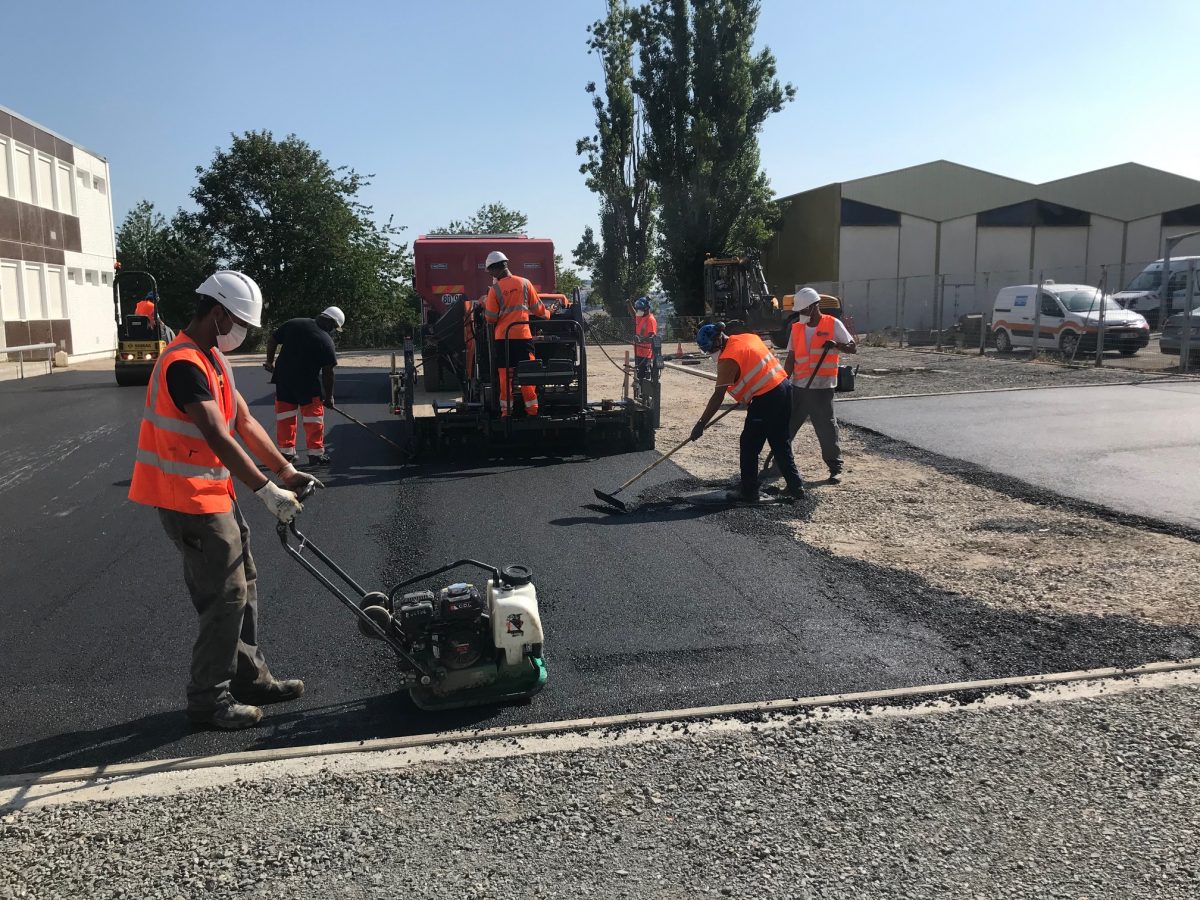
(510, 301)
(645, 328)
(303, 379)
(186, 452)
(812, 384)
(749, 371)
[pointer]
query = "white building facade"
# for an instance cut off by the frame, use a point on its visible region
(57, 244)
(889, 243)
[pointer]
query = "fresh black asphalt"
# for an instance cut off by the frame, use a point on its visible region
(672, 605)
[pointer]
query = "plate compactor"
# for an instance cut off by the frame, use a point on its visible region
(456, 646)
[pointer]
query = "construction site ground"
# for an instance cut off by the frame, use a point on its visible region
(903, 575)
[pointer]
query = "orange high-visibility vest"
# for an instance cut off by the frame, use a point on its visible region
(644, 326)
(145, 308)
(806, 356)
(175, 468)
(510, 300)
(758, 369)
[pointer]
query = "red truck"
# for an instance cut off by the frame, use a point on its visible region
(449, 267)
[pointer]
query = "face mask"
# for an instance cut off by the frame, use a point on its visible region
(232, 339)
(641, 312)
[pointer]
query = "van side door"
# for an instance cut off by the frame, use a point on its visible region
(1052, 319)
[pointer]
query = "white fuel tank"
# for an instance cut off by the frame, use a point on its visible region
(515, 619)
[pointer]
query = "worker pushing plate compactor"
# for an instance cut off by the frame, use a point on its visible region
(463, 352)
(459, 645)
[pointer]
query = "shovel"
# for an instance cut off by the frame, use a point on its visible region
(611, 499)
(367, 427)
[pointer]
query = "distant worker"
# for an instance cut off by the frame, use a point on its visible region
(814, 333)
(749, 371)
(146, 307)
(645, 328)
(303, 379)
(510, 300)
(185, 454)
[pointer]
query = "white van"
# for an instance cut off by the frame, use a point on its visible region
(1070, 320)
(1142, 295)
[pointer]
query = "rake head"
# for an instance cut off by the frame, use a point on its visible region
(610, 500)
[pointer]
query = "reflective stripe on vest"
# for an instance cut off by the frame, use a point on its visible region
(174, 466)
(497, 318)
(807, 357)
(759, 370)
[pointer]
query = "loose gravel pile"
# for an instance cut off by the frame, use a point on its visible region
(1087, 798)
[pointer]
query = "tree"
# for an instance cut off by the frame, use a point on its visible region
(491, 218)
(278, 211)
(176, 255)
(566, 280)
(705, 96)
(616, 169)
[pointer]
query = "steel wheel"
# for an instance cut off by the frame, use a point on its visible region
(1003, 341)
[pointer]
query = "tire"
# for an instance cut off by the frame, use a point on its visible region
(1003, 341)
(1128, 351)
(132, 379)
(1068, 343)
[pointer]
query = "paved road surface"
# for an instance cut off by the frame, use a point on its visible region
(1131, 447)
(671, 606)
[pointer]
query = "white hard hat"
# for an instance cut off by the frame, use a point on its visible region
(237, 292)
(805, 297)
(332, 312)
(494, 257)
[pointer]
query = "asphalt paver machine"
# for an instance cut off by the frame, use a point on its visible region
(479, 417)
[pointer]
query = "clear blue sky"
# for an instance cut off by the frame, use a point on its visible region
(454, 103)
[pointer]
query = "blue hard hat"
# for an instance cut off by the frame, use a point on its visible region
(706, 337)
(642, 303)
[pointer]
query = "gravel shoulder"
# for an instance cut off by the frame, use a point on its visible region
(969, 802)
(992, 539)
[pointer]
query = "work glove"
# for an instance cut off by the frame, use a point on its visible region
(697, 430)
(295, 480)
(830, 345)
(282, 503)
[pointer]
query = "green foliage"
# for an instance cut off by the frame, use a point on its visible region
(491, 218)
(173, 252)
(278, 211)
(615, 169)
(566, 280)
(704, 96)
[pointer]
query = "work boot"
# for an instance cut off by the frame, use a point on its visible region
(835, 476)
(288, 453)
(737, 495)
(319, 458)
(273, 691)
(228, 716)
(795, 491)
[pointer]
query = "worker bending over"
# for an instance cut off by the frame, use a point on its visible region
(751, 374)
(814, 333)
(186, 452)
(645, 327)
(303, 379)
(510, 301)
(148, 307)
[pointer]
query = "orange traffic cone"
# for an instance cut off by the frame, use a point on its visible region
(679, 350)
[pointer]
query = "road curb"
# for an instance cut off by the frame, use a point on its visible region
(631, 720)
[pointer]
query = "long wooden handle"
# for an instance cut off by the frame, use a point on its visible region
(676, 449)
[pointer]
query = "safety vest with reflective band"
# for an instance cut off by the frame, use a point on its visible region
(807, 357)
(175, 468)
(644, 326)
(510, 300)
(758, 369)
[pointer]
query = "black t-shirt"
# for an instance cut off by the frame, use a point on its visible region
(188, 383)
(307, 349)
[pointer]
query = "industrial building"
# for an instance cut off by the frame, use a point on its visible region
(57, 247)
(883, 242)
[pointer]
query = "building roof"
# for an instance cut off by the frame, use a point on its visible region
(942, 190)
(52, 132)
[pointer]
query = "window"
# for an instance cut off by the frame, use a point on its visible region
(66, 197)
(35, 297)
(23, 175)
(98, 183)
(1032, 212)
(1050, 307)
(105, 279)
(85, 178)
(54, 293)
(75, 276)
(10, 292)
(855, 213)
(5, 183)
(45, 181)
(91, 276)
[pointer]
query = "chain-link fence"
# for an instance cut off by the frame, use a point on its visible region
(918, 307)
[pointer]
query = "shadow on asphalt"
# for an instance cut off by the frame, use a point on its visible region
(384, 715)
(662, 511)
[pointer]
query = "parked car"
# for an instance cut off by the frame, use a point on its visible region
(1070, 319)
(1142, 294)
(1172, 335)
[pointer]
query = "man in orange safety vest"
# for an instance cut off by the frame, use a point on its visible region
(510, 301)
(749, 371)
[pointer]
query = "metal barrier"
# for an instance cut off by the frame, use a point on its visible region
(20, 351)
